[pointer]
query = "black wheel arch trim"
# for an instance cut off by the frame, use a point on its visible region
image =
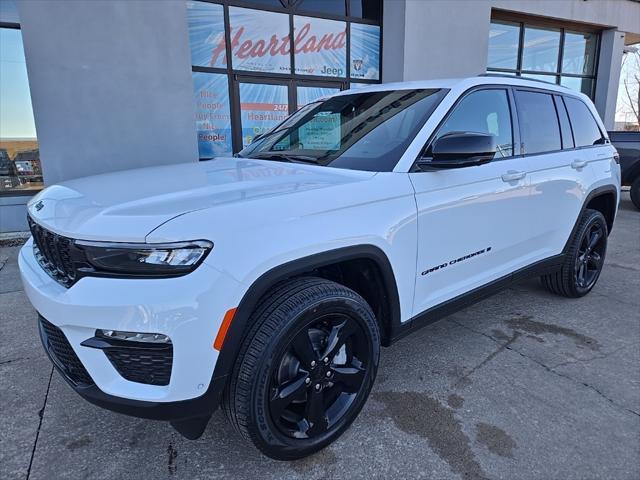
(267, 280)
(596, 192)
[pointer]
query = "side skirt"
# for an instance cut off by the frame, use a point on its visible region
(453, 305)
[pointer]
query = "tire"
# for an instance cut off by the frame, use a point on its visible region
(583, 260)
(283, 396)
(635, 193)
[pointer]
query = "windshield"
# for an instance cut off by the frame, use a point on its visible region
(360, 131)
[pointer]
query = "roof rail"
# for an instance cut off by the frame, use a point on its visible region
(518, 77)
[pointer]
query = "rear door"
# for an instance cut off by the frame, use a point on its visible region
(559, 169)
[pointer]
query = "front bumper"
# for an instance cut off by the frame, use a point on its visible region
(188, 309)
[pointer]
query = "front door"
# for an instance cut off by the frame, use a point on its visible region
(263, 103)
(472, 222)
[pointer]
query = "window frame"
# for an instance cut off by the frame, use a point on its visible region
(523, 145)
(19, 193)
(515, 126)
(291, 9)
(558, 74)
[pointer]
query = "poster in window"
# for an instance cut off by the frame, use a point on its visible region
(365, 51)
(262, 107)
(213, 119)
(320, 46)
(206, 34)
(307, 95)
(259, 41)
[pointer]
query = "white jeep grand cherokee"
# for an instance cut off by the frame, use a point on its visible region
(266, 283)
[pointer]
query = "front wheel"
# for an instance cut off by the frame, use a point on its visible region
(583, 260)
(305, 369)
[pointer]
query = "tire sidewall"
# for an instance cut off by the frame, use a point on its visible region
(593, 216)
(266, 433)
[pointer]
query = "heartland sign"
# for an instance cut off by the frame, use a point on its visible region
(243, 46)
(260, 41)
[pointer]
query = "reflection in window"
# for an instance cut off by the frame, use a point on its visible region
(578, 55)
(485, 111)
(213, 117)
(320, 46)
(20, 169)
(538, 123)
(307, 95)
(579, 84)
(503, 45)
(540, 49)
(536, 56)
(332, 7)
(367, 9)
(262, 107)
(365, 51)
(259, 41)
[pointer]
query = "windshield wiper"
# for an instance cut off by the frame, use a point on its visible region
(285, 157)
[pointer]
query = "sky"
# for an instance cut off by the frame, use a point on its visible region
(16, 115)
(630, 71)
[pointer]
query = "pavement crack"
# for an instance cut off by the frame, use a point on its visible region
(41, 415)
(508, 346)
(6, 362)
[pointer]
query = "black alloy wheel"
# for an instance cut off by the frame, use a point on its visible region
(590, 256)
(305, 369)
(319, 375)
(583, 258)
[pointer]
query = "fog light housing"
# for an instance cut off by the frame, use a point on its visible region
(157, 338)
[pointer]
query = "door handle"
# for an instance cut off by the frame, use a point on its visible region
(578, 164)
(513, 176)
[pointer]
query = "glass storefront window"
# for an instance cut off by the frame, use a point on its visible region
(579, 84)
(504, 39)
(365, 51)
(332, 7)
(262, 107)
(213, 115)
(536, 57)
(307, 95)
(367, 9)
(543, 78)
(20, 168)
(540, 49)
(259, 41)
(320, 46)
(206, 34)
(578, 55)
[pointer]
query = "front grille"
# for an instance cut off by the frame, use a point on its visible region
(143, 365)
(62, 354)
(54, 253)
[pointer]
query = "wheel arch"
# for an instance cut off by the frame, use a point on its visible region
(604, 199)
(328, 264)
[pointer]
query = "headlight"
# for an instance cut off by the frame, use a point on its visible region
(144, 259)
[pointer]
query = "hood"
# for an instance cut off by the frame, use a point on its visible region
(125, 206)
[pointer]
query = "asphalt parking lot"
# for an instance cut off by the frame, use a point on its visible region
(524, 385)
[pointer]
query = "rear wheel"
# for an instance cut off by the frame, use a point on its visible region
(583, 260)
(305, 369)
(635, 193)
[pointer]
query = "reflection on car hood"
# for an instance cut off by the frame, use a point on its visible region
(127, 205)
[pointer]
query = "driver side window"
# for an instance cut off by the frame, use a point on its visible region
(483, 111)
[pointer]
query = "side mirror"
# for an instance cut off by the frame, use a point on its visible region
(460, 149)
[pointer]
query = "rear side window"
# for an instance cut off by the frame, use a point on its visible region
(585, 129)
(538, 120)
(483, 111)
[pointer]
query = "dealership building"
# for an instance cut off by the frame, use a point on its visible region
(88, 87)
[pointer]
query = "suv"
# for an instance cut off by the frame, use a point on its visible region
(267, 283)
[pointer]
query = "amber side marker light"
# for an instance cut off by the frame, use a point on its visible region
(224, 328)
